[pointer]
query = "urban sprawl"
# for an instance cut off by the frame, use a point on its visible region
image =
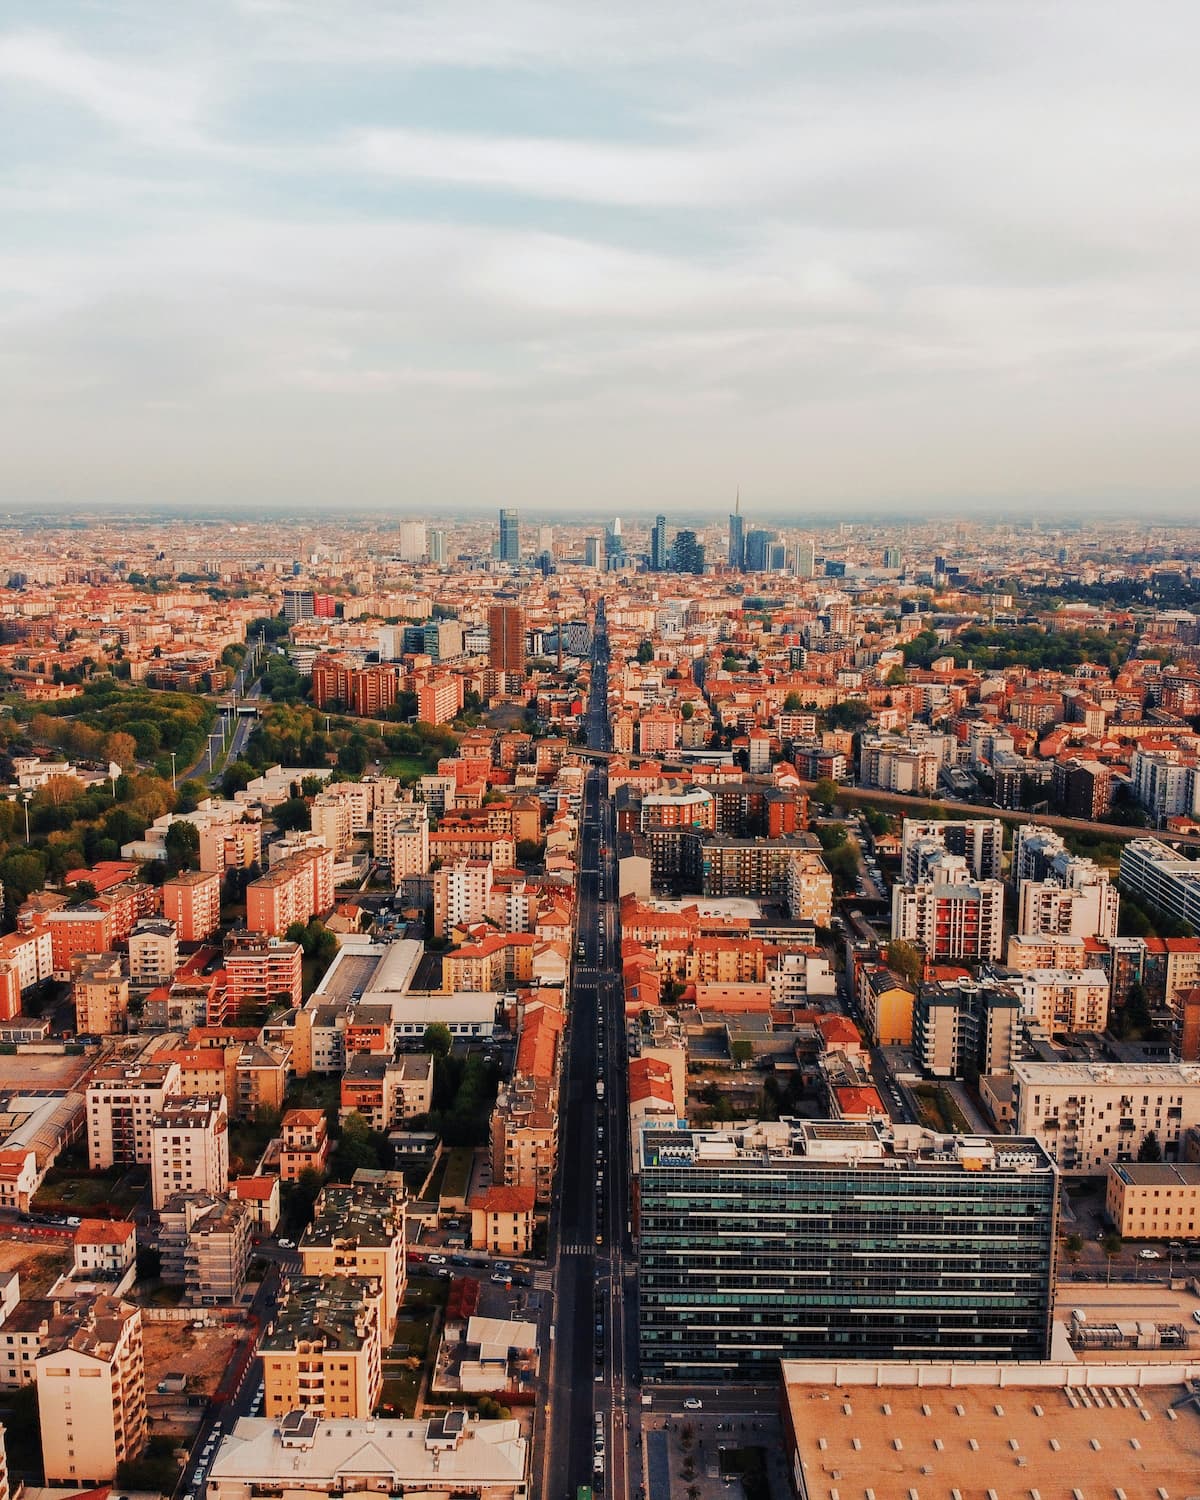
(500, 1008)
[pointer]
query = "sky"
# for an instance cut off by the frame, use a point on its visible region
(628, 255)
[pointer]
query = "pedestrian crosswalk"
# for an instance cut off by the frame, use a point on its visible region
(577, 1247)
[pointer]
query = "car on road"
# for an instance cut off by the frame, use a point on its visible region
(1149, 1255)
(693, 1403)
(502, 1265)
(500, 1278)
(287, 1244)
(460, 1260)
(437, 1260)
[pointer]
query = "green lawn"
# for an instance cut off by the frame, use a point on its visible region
(407, 767)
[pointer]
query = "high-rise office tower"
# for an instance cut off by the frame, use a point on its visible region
(591, 552)
(437, 546)
(614, 546)
(757, 543)
(410, 541)
(805, 564)
(506, 637)
(687, 555)
(510, 536)
(658, 545)
(808, 1239)
(737, 540)
(893, 557)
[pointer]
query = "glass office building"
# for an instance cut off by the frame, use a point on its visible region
(803, 1239)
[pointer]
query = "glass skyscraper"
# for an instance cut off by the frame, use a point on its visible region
(510, 536)
(806, 1239)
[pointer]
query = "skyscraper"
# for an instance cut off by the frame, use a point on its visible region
(510, 536)
(737, 539)
(805, 565)
(591, 552)
(437, 546)
(506, 637)
(687, 555)
(755, 551)
(411, 542)
(658, 545)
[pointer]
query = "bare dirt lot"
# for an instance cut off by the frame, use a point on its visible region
(38, 1265)
(178, 1348)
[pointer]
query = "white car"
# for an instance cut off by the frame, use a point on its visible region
(437, 1260)
(693, 1403)
(1149, 1255)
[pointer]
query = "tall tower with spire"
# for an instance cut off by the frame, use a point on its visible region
(737, 536)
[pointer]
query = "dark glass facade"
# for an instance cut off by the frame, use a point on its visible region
(755, 1256)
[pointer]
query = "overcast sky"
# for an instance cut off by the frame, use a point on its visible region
(622, 254)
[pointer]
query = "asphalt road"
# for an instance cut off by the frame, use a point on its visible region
(593, 1276)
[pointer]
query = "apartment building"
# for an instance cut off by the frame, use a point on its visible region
(230, 846)
(499, 849)
(502, 1219)
(1089, 1115)
(368, 691)
(297, 889)
(323, 1351)
(204, 1242)
(748, 867)
(1064, 999)
(358, 1230)
(1154, 871)
(839, 1235)
(153, 953)
(19, 1179)
(400, 835)
(963, 1028)
(100, 991)
(1154, 1200)
(189, 1147)
(76, 931)
(524, 1135)
(26, 959)
(192, 901)
(386, 1092)
(122, 1101)
(331, 822)
(91, 1386)
(808, 889)
(439, 698)
(887, 1003)
(304, 1134)
(462, 894)
(979, 841)
(104, 1247)
(1085, 905)
(261, 973)
(948, 915)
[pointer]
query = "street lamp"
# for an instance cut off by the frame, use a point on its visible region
(26, 798)
(172, 755)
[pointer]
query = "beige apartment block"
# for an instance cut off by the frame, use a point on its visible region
(1089, 1115)
(101, 994)
(153, 953)
(323, 1354)
(91, 1385)
(358, 1231)
(189, 1146)
(1154, 1200)
(122, 1100)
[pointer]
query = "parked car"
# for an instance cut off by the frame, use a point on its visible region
(437, 1260)
(1149, 1255)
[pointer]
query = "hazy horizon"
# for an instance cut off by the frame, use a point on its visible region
(865, 260)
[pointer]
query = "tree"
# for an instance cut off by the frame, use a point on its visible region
(237, 778)
(905, 960)
(292, 814)
(1074, 1246)
(793, 702)
(1150, 1150)
(528, 851)
(825, 791)
(645, 653)
(437, 1039)
(183, 846)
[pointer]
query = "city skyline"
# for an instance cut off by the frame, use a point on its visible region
(919, 258)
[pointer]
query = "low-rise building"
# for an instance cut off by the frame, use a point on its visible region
(299, 1458)
(305, 1143)
(1154, 1200)
(502, 1219)
(261, 1198)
